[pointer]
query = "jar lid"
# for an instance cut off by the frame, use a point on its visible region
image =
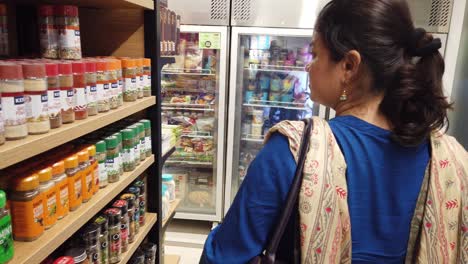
(146, 123)
(10, 70)
(34, 70)
(90, 66)
(111, 142)
(128, 63)
(134, 190)
(164, 189)
(65, 68)
(64, 260)
(135, 129)
(83, 156)
(167, 177)
(101, 65)
(101, 146)
(118, 64)
(141, 185)
(78, 67)
(127, 134)
(71, 162)
(147, 62)
(58, 168)
(46, 10)
(66, 10)
(78, 254)
(45, 175)
(91, 150)
(113, 216)
(130, 198)
(122, 205)
(111, 65)
(26, 183)
(118, 136)
(139, 62)
(102, 222)
(51, 69)
(141, 128)
(2, 199)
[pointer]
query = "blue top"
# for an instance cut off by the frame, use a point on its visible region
(384, 180)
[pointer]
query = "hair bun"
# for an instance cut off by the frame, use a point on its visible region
(423, 44)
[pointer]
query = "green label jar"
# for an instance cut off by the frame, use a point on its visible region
(6, 237)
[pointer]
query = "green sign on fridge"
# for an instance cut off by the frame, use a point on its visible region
(209, 41)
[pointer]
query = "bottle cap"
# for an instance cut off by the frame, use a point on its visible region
(121, 205)
(90, 66)
(51, 69)
(66, 10)
(91, 150)
(111, 142)
(102, 222)
(34, 70)
(167, 177)
(58, 168)
(127, 134)
(26, 183)
(146, 62)
(65, 68)
(3, 10)
(140, 184)
(10, 71)
(134, 190)
(118, 136)
(146, 123)
(113, 216)
(45, 175)
(101, 65)
(130, 198)
(46, 10)
(141, 128)
(71, 162)
(83, 156)
(128, 63)
(64, 260)
(139, 62)
(78, 67)
(2, 199)
(101, 146)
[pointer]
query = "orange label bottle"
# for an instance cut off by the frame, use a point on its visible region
(94, 168)
(61, 183)
(74, 182)
(86, 175)
(49, 191)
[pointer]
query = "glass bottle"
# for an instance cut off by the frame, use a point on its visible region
(124, 223)
(115, 245)
(74, 182)
(5, 231)
(53, 93)
(79, 84)
(49, 192)
(91, 88)
(101, 153)
(37, 102)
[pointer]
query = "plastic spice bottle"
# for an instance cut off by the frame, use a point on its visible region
(140, 78)
(141, 134)
(67, 94)
(132, 228)
(94, 169)
(48, 32)
(102, 84)
(168, 181)
(79, 84)
(148, 141)
(37, 103)
(112, 163)
(90, 235)
(74, 182)
(101, 155)
(120, 79)
(135, 191)
(120, 149)
(146, 77)
(130, 93)
(113, 83)
(78, 254)
(115, 245)
(61, 182)
(69, 32)
(53, 93)
(136, 142)
(103, 238)
(86, 175)
(128, 155)
(49, 192)
(27, 209)
(91, 88)
(124, 223)
(6, 238)
(142, 198)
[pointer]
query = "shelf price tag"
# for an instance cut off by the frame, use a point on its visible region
(209, 40)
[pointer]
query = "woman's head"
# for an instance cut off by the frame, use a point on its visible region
(370, 49)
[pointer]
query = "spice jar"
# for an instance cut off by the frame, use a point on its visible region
(132, 231)
(102, 83)
(27, 208)
(94, 169)
(37, 103)
(67, 94)
(53, 94)
(90, 235)
(49, 192)
(130, 93)
(86, 176)
(120, 151)
(115, 246)
(112, 162)
(103, 238)
(2, 124)
(146, 77)
(135, 191)
(136, 142)
(113, 83)
(101, 154)
(140, 78)
(148, 142)
(142, 198)
(150, 252)
(141, 134)
(128, 155)
(120, 79)
(61, 182)
(12, 90)
(79, 84)
(68, 25)
(74, 182)
(48, 32)
(78, 254)
(124, 222)
(91, 88)
(6, 254)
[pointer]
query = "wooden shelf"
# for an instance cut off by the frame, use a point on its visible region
(36, 251)
(171, 259)
(150, 221)
(171, 214)
(15, 151)
(108, 4)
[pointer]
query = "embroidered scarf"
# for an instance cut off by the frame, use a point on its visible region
(439, 228)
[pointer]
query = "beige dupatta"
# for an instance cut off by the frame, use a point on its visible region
(439, 229)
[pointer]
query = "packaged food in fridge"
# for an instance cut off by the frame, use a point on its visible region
(205, 98)
(182, 99)
(200, 190)
(193, 58)
(205, 124)
(181, 181)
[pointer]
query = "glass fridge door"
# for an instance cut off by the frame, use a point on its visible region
(269, 84)
(193, 97)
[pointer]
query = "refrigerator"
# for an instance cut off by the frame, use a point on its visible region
(193, 93)
(268, 84)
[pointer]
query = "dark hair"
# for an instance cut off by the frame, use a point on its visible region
(383, 33)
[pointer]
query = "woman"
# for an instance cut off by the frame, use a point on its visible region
(381, 184)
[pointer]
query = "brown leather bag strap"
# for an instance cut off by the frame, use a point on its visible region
(293, 194)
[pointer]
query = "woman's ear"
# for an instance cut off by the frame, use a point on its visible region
(351, 64)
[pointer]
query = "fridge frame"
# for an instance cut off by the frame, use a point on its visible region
(233, 107)
(220, 142)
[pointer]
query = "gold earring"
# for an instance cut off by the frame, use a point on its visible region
(344, 96)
